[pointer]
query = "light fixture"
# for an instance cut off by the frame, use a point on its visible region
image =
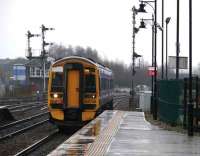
(142, 24)
(141, 8)
(55, 95)
(168, 20)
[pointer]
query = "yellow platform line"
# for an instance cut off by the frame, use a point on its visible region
(103, 141)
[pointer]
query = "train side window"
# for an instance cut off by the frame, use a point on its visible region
(106, 84)
(102, 84)
(57, 82)
(90, 83)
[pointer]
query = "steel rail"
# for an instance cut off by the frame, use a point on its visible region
(25, 109)
(22, 130)
(34, 146)
(25, 105)
(115, 105)
(23, 120)
(119, 97)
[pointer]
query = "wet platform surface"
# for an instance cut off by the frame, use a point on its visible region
(116, 133)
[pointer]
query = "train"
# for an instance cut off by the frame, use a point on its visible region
(79, 89)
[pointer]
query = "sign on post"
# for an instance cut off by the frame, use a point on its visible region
(151, 71)
(183, 62)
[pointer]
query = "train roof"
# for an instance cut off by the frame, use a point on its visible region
(84, 59)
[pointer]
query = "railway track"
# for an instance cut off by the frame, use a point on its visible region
(120, 100)
(22, 130)
(12, 143)
(17, 100)
(29, 108)
(18, 127)
(11, 107)
(36, 145)
(42, 143)
(23, 120)
(30, 150)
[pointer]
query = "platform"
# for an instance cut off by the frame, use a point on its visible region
(120, 133)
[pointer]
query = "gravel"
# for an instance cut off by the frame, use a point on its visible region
(24, 114)
(51, 145)
(17, 143)
(22, 125)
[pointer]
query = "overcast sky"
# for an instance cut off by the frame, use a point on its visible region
(104, 25)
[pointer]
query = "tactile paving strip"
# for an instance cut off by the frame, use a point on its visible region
(102, 142)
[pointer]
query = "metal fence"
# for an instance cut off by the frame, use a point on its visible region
(170, 101)
(173, 102)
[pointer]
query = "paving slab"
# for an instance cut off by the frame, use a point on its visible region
(139, 138)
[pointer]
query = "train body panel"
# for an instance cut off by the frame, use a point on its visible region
(78, 90)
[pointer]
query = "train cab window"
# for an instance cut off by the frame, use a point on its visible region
(57, 82)
(90, 83)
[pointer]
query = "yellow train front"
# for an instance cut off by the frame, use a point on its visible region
(78, 90)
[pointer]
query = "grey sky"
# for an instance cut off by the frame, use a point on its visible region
(105, 25)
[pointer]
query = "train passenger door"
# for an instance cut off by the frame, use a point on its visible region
(73, 88)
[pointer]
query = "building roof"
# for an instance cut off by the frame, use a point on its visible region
(37, 63)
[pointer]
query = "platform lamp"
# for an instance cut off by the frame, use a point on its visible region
(166, 65)
(190, 105)
(142, 10)
(143, 26)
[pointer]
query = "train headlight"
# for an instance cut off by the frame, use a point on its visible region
(55, 95)
(92, 96)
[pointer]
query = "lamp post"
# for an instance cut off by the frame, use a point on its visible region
(190, 105)
(166, 65)
(162, 62)
(177, 42)
(142, 25)
(155, 64)
(152, 63)
(141, 9)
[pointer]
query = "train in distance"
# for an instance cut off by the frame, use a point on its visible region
(79, 89)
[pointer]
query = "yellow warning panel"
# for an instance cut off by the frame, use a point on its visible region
(88, 116)
(57, 114)
(73, 89)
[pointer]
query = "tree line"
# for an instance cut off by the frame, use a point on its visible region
(122, 72)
